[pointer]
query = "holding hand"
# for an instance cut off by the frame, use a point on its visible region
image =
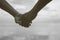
(23, 20)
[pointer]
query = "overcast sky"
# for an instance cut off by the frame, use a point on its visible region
(46, 23)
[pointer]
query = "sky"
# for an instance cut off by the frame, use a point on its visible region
(47, 21)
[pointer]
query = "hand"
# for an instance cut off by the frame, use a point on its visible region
(23, 20)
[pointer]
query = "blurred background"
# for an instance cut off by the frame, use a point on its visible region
(45, 26)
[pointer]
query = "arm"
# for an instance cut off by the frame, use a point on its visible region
(29, 16)
(8, 8)
(38, 6)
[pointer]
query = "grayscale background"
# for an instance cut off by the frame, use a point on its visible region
(46, 26)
